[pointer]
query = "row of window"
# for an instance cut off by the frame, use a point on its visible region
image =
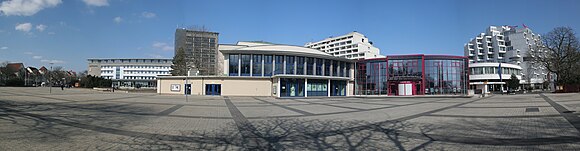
(136, 67)
(327, 42)
(131, 60)
(131, 77)
(268, 65)
(493, 70)
(136, 72)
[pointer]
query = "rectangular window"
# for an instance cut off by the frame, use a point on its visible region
(233, 65)
(335, 68)
(310, 66)
(289, 64)
(347, 74)
(300, 65)
(319, 63)
(341, 69)
(279, 66)
(245, 70)
(267, 65)
(327, 67)
(256, 65)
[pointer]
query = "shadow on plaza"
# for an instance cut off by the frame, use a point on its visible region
(55, 123)
(293, 134)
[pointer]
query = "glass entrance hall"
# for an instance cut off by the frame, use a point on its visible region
(303, 87)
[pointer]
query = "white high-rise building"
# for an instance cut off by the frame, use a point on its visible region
(353, 45)
(508, 44)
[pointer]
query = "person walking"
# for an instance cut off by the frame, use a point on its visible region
(62, 87)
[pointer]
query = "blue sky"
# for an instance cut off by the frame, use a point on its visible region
(38, 32)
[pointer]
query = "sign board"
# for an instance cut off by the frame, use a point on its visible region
(175, 87)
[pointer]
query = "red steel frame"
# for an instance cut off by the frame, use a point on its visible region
(362, 62)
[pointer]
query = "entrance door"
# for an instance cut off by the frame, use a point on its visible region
(292, 87)
(403, 88)
(187, 89)
(213, 89)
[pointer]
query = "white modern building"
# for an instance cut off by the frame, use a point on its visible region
(486, 77)
(353, 45)
(130, 73)
(267, 69)
(508, 44)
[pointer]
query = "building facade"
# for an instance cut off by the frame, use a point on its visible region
(201, 50)
(266, 69)
(353, 45)
(508, 44)
(130, 73)
(486, 76)
(412, 75)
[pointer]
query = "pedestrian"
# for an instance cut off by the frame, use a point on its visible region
(62, 87)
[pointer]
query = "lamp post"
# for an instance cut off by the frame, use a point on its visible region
(50, 79)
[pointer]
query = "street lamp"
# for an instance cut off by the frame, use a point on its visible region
(50, 79)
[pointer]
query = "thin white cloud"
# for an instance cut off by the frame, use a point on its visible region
(117, 19)
(28, 53)
(51, 33)
(41, 27)
(3, 48)
(97, 3)
(162, 46)
(155, 56)
(26, 7)
(148, 15)
(52, 61)
(25, 27)
(36, 57)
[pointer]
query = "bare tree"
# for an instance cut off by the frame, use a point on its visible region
(559, 54)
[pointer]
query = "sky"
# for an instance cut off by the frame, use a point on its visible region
(67, 33)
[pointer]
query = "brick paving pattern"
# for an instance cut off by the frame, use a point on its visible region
(82, 119)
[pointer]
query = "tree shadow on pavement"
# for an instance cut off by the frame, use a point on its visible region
(292, 134)
(36, 123)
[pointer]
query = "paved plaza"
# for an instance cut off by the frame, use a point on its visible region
(82, 119)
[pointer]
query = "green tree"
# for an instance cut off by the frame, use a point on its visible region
(179, 66)
(514, 82)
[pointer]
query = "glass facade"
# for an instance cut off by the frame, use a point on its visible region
(279, 65)
(291, 87)
(287, 67)
(233, 65)
(326, 67)
(445, 77)
(269, 65)
(319, 63)
(310, 66)
(300, 65)
(256, 65)
(290, 64)
(245, 66)
(317, 87)
(412, 75)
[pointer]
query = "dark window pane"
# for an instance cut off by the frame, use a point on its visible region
(310, 66)
(289, 64)
(336, 67)
(300, 65)
(267, 65)
(327, 67)
(233, 67)
(256, 65)
(319, 68)
(279, 66)
(245, 65)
